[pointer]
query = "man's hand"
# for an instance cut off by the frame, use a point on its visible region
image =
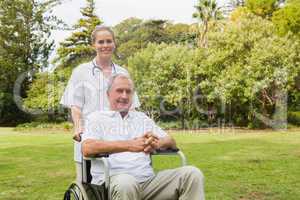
(137, 144)
(147, 143)
(151, 141)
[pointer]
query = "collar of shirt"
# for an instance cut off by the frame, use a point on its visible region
(116, 114)
(94, 63)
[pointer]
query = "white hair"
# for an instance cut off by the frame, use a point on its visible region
(118, 75)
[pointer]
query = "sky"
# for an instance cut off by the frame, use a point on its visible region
(112, 12)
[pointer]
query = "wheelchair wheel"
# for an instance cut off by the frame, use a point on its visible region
(93, 192)
(73, 193)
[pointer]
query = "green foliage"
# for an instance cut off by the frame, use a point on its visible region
(206, 11)
(294, 118)
(9, 112)
(24, 47)
(249, 67)
(294, 96)
(36, 125)
(178, 33)
(288, 19)
(247, 71)
(134, 34)
(239, 12)
(263, 8)
(45, 92)
(169, 125)
(152, 69)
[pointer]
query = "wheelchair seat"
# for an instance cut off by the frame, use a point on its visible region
(85, 190)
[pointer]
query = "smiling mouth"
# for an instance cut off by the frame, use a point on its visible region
(123, 102)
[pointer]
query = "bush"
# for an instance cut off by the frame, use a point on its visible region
(43, 125)
(294, 118)
(192, 124)
(169, 125)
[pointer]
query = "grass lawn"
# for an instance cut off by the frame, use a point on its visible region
(237, 164)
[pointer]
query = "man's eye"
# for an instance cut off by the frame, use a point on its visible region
(108, 41)
(101, 42)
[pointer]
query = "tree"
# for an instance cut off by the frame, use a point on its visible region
(134, 34)
(128, 39)
(263, 8)
(207, 10)
(288, 18)
(77, 48)
(238, 13)
(152, 69)
(44, 94)
(24, 48)
(179, 33)
(254, 71)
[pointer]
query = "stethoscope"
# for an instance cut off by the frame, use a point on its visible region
(114, 71)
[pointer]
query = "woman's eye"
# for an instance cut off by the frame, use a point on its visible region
(105, 41)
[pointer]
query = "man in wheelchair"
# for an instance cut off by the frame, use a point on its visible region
(129, 137)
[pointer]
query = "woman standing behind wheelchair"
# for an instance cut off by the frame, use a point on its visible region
(86, 89)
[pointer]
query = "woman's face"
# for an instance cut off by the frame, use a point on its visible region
(104, 44)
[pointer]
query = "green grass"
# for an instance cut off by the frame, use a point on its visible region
(237, 164)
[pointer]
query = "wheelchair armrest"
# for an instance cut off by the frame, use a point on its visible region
(168, 151)
(102, 157)
(94, 157)
(171, 151)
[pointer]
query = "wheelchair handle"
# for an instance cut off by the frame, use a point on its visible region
(171, 151)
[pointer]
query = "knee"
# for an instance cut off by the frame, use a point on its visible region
(193, 173)
(124, 184)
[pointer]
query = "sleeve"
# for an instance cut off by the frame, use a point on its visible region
(151, 126)
(74, 92)
(92, 129)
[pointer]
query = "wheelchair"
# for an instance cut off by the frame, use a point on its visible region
(85, 190)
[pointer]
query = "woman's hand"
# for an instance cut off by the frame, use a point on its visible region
(77, 134)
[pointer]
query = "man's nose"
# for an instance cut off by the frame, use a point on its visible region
(124, 94)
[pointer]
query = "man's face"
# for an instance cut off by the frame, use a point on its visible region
(120, 94)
